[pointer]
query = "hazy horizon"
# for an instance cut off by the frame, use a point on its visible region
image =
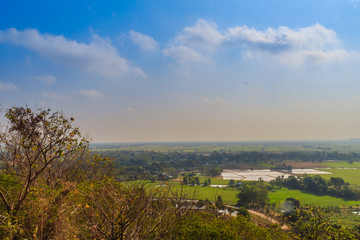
(185, 71)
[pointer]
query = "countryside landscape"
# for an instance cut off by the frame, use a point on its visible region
(180, 120)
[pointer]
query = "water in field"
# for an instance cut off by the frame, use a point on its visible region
(308, 171)
(266, 174)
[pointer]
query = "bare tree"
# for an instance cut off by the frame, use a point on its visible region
(35, 145)
(135, 211)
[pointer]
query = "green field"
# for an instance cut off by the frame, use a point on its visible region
(351, 176)
(207, 147)
(211, 193)
(280, 195)
(344, 170)
(340, 164)
(214, 181)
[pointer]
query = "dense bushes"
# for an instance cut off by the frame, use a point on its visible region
(207, 225)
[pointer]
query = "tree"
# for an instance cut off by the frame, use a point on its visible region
(220, 203)
(253, 194)
(232, 183)
(185, 180)
(312, 224)
(337, 182)
(215, 171)
(197, 180)
(112, 210)
(35, 145)
(244, 212)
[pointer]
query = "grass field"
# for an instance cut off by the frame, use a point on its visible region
(277, 197)
(207, 147)
(340, 164)
(214, 181)
(210, 193)
(280, 195)
(351, 176)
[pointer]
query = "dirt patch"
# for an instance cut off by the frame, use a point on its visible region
(304, 165)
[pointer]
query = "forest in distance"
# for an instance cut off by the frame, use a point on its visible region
(350, 145)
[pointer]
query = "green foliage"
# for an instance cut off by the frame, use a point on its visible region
(313, 224)
(219, 203)
(232, 183)
(191, 179)
(349, 175)
(207, 182)
(244, 212)
(279, 195)
(316, 184)
(215, 171)
(204, 225)
(253, 194)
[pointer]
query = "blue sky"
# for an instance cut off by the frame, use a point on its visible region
(187, 70)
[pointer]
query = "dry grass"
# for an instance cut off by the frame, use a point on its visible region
(304, 165)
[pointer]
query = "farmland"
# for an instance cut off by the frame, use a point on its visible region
(349, 175)
(246, 161)
(248, 146)
(337, 168)
(278, 196)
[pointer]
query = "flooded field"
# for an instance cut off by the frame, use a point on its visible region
(266, 174)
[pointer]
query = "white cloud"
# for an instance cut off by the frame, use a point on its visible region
(128, 109)
(53, 95)
(7, 86)
(282, 38)
(203, 35)
(355, 3)
(145, 42)
(298, 58)
(48, 79)
(313, 44)
(194, 43)
(217, 100)
(183, 54)
(98, 56)
(91, 93)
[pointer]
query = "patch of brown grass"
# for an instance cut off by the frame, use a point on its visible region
(304, 165)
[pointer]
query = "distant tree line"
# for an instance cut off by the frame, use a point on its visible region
(132, 165)
(144, 164)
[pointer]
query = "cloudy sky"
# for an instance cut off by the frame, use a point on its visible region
(134, 71)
